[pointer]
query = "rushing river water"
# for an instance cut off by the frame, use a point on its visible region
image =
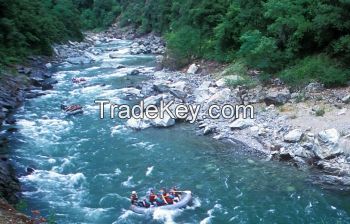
(87, 167)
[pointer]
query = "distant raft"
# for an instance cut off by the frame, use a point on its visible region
(75, 112)
(72, 109)
(186, 198)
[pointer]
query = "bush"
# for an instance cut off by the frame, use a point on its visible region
(315, 68)
(260, 51)
(242, 81)
(184, 44)
(236, 68)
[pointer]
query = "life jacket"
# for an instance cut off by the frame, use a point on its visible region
(152, 197)
(168, 199)
(160, 201)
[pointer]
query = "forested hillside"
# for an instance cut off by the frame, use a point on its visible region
(299, 40)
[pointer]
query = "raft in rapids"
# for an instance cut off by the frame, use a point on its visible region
(186, 198)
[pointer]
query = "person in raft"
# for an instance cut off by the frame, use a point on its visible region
(134, 198)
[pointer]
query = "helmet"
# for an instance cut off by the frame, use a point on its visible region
(133, 192)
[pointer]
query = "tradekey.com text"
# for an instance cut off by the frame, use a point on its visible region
(172, 109)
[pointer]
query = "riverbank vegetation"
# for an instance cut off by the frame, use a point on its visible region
(297, 40)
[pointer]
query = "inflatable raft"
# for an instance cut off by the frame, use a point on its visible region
(186, 198)
(74, 112)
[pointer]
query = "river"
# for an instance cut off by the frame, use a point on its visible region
(86, 167)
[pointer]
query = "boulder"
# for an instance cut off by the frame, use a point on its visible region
(314, 87)
(346, 99)
(153, 100)
(192, 69)
(241, 124)
(178, 94)
(293, 136)
(138, 123)
(114, 55)
(330, 136)
(326, 144)
(286, 155)
(134, 72)
(48, 65)
(208, 130)
(202, 92)
(161, 88)
(166, 121)
(180, 85)
(277, 96)
(46, 86)
(220, 96)
(221, 82)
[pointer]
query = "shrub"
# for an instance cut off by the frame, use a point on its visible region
(315, 68)
(242, 81)
(236, 68)
(184, 44)
(320, 112)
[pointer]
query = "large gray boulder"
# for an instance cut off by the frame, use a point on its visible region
(202, 92)
(277, 96)
(241, 124)
(220, 96)
(346, 99)
(327, 144)
(293, 136)
(166, 121)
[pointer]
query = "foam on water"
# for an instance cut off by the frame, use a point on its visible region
(149, 171)
(166, 216)
(128, 183)
(207, 220)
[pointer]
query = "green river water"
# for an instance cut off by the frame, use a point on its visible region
(87, 167)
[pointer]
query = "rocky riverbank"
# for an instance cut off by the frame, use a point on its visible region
(308, 128)
(17, 84)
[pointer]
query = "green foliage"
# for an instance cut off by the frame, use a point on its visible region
(236, 68)
(316, 68)
(269, 35)
(31, 26)
(184, 44)
(320, 112)
(241, 81)
(21, 206)
(98, 13)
